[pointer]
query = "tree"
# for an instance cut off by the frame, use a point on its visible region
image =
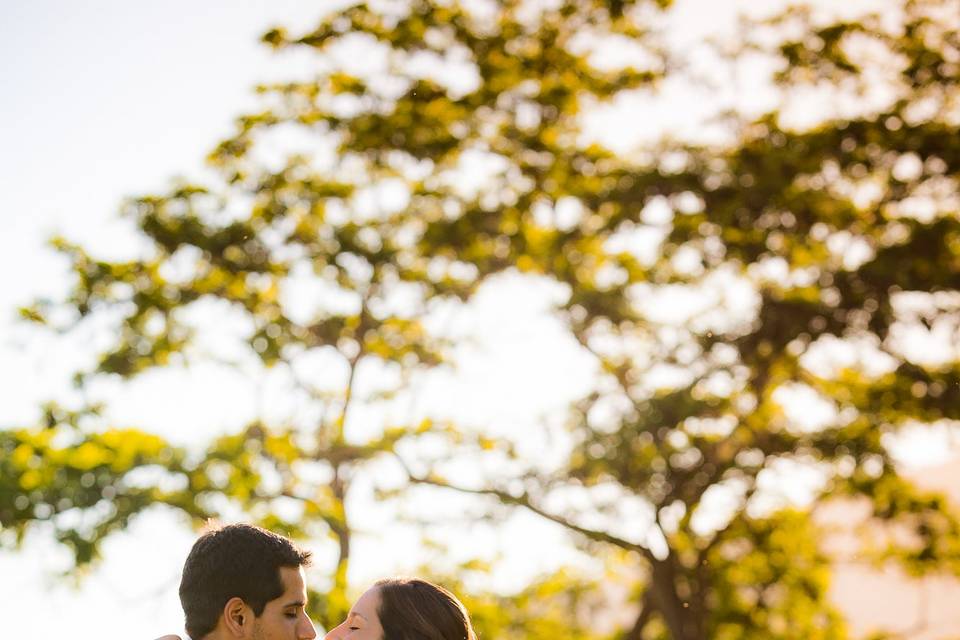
(832, 228)
(840, 234)
(301, 220)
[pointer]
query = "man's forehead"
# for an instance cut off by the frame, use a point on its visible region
(293, 581)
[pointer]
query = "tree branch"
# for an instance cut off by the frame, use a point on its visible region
(525, 501)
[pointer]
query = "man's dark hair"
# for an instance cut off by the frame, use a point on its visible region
(414, 609)
(237, 560)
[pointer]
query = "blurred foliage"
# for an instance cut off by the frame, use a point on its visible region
(798, 243)
(563, 604)
(87, 478)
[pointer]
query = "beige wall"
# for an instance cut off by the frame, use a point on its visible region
(887, 599)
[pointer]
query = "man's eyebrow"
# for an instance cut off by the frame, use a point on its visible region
(295, 603)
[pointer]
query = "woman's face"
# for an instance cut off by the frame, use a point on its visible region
(362, 622)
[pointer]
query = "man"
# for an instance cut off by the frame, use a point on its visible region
(245, 583)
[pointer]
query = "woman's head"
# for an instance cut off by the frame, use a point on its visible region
(405, 609)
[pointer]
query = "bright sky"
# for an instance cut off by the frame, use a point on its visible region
(108, 98)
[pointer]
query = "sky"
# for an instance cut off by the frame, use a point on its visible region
(105, 99)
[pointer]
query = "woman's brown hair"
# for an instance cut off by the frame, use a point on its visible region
(414, 609)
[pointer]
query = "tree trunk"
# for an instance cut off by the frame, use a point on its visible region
(680, 620)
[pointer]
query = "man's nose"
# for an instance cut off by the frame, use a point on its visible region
(308, 631)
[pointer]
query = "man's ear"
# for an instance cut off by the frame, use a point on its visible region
(237, 618)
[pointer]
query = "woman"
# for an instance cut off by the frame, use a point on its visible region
(405, 609)
(402, 609)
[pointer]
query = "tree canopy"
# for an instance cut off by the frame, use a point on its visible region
(753, 302)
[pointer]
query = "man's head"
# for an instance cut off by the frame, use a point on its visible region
(244, 582)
